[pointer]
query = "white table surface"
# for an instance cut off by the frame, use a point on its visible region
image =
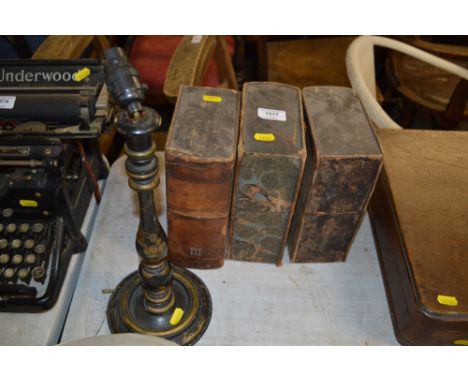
(253, 304)
(44, 328)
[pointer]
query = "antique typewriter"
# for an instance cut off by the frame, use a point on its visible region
(51, 113)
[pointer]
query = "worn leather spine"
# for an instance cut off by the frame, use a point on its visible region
(200, 156)
(343, 163)
(271, 157)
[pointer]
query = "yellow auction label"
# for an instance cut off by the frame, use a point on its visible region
(461, 342)
(211, 98)
(81, 74)
(28, 203)
(265, 137)
(176, 316)
(447, 300)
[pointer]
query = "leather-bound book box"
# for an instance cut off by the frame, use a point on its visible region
(343, 162)
(200, 157)
(419, 215)
(271, 157)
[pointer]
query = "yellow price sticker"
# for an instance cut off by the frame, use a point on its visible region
(211, 98)
(265, 137)
(176, 316)
(81, 74)
(28, 203)
(447, 300)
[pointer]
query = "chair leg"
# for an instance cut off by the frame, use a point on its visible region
(224, 63)
(436, 121)
(408, 113)
(456, 106)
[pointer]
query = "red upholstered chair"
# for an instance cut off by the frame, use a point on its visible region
(167, 62)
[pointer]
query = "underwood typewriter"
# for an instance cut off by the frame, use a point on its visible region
(51, 113)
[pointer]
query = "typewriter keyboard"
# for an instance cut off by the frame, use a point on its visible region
(25, 251)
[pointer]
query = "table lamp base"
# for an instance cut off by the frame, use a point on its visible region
(184, 323)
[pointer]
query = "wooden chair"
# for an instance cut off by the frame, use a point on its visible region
(167, 62)
(70, 47)
(164, 63)
(424, 87)
(418, 211)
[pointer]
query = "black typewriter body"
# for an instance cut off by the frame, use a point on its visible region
(48, 158)
(59, 98)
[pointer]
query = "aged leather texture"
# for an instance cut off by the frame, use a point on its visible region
(326, 236)
(197, 242)
(200, 157)
(343, 162)
(268, 172)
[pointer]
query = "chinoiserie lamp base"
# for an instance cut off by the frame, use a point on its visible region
(184, 323)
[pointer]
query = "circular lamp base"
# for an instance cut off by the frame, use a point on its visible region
(184, 324)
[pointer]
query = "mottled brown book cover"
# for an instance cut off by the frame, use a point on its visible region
(343, 163)
(271, 157)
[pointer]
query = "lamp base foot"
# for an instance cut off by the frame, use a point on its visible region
(126, 310)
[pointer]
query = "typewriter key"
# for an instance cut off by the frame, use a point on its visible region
(38, 273)
(24, 227)
(11, 227)
(16, 243)
(30, 259)
(38, 227)
(4, 258)
(39, 249)
(9, 273)
(7, 212)
(28, 244)
(23, 273)
(1, 227)
(17, 259)
(3, 243)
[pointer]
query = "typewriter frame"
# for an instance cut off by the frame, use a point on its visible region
(31, 142)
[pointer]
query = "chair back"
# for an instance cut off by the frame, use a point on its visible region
(361, 72)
